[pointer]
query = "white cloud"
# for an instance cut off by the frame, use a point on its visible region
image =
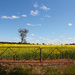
(69, 38)
(24, 15)
(5, 17)
(28, 24)
(42, 38)
(12, 17)
(17, 38)
(35, 5)
(33, 24)
(70, 24)
(49, 41)
(32, 34)
(56, 41)
(34, 13)
(42, 18)
(37, 41)
(47, 16)
(44, 8)
(29, 38)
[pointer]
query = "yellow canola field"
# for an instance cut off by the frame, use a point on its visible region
(26, 51)
(26, 45)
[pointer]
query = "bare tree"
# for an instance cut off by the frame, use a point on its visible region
(23, 35)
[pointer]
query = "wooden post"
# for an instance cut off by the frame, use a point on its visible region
(40, 54)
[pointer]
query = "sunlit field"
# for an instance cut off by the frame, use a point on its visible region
(21, 51)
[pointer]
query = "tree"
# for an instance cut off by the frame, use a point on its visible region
(43, 43)
(23, 35)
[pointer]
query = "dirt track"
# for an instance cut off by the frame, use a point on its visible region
(37, 62)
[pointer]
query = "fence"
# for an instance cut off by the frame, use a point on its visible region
(35, 54)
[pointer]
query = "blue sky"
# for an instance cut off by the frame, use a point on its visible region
(48, 21)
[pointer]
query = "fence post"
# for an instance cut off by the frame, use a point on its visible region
(40, 54)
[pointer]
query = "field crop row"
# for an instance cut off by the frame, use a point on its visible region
(47, 52)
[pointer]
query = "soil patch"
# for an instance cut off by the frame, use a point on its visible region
(37, 62)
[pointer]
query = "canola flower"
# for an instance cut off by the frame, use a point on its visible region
(21, 51)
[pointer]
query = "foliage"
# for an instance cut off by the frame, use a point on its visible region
(15, 51)
(38, 70)
(23, 35)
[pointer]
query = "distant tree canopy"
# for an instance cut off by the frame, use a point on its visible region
(23, 35)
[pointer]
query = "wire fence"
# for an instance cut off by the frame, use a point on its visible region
(37, 54)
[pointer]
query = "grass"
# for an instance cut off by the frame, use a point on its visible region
(68, 69)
